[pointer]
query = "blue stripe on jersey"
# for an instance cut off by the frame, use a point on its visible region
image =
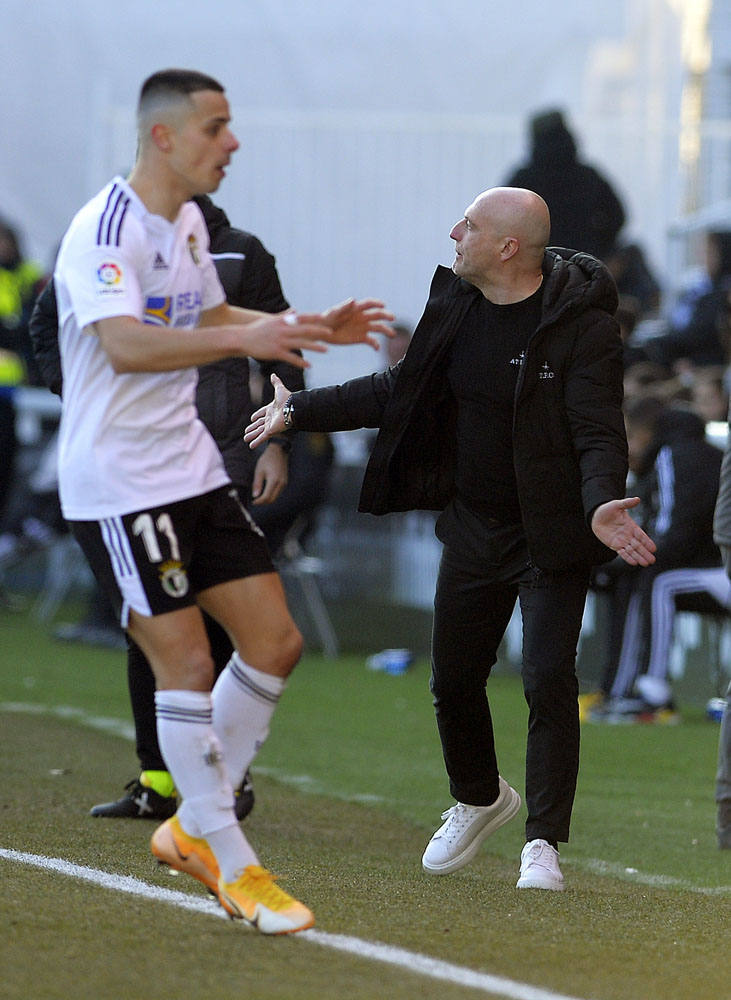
(110, 222)
(106, 209)
(122, 214)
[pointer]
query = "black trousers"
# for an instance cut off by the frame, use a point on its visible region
(473, 605)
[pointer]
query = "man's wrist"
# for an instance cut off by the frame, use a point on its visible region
(288, 414)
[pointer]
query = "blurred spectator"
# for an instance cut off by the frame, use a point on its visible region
(634, 279)
(722, 536)
(646, 378)
(396, 346)
(627, 315)
(676, 476)
(698, 332)
(20, 282)
(586, 213)
(11, 375)
(709, 397)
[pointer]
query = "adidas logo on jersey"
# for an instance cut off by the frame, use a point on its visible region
(159, 264)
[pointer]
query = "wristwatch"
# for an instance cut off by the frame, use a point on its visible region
(288, 414)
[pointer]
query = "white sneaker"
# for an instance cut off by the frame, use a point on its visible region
(539, 867)
(458, 840)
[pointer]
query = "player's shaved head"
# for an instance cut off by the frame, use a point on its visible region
(167, 93)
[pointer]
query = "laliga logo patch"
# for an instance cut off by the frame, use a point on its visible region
(193, 248)
(174, 579)
(109, 274)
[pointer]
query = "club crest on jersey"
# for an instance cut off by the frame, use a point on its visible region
(158, 310)
(193, 248)
(174, 579)
(109, 277)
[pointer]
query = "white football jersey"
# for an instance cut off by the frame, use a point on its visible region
(129, 441)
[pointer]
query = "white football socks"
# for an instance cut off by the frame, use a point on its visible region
(244, 700)
(195, 759)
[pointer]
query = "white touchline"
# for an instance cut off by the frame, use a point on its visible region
(400, 957)
(304, 783)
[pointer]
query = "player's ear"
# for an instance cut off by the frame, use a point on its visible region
(160, 135)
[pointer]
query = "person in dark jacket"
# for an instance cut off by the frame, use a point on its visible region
(586, 212)
(722, 537)
(700, 337)
(505, 414)
(249, 277)
(677, 475)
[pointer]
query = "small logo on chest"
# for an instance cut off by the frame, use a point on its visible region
(546, 371)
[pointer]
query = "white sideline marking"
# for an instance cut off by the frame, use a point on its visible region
(116, 727)
(410, 961)
(612, 868)
(306, 784)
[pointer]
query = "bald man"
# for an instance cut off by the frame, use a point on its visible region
(506, 415)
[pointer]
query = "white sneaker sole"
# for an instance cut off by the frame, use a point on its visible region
(511, 808)
(536, 882)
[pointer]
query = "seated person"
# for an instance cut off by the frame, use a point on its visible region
(701, 337)
(677, 475)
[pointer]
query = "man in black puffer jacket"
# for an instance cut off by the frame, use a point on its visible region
(505, 414)
(249, 277)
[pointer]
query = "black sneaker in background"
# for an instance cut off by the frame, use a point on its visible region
(139, 803)
(244, 798)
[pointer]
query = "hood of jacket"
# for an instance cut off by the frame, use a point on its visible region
(575, 282)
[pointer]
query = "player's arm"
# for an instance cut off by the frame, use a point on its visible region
(134, 346)
(350, 322)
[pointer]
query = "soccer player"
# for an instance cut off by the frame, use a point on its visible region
(250, 279)
(143, 486)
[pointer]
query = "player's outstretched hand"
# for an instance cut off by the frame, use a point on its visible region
(279, 337)
(268, 419)
(353, 322)
(612, 525)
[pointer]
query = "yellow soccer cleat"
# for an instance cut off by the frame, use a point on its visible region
(172, 846)
(255, 898)
(588, 703)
